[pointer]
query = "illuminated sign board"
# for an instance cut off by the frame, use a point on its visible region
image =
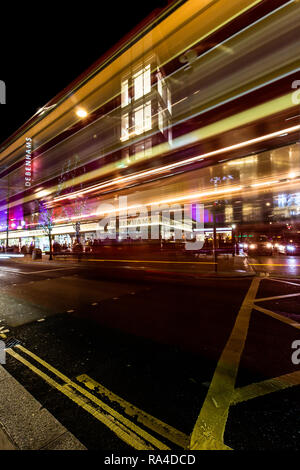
(28, 162)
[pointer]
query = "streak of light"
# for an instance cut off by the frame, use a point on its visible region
(172, 166)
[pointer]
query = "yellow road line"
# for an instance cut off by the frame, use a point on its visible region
(281, 318)
(142, 417)
(273, 264)
(149, 261)
(267, 386)
(209, 429)
(277, 297)
(113, 425)
(134, 436)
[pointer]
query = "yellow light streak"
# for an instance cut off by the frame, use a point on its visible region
(224, 125)
(185, 162)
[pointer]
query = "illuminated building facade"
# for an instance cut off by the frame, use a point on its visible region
(197, 106)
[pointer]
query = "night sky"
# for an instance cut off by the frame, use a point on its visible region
(44, 48)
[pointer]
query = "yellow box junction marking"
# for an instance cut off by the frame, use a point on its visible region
(267, 386)
(265, 299)
(209, 429)
(281, 318)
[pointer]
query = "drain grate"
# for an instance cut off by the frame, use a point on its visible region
(11, 343)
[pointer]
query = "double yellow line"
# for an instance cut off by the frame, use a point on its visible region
(124, 428)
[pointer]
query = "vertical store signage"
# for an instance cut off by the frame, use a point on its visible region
(28, 162)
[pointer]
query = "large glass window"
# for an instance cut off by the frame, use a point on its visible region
(142, 82)
(125, 127)
(124, 93)
(139, 120)
(142, 118)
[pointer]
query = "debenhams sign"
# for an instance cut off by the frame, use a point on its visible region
(28, 162)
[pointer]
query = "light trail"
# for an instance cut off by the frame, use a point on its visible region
(172, 166)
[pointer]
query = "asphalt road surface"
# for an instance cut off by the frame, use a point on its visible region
(125, 360)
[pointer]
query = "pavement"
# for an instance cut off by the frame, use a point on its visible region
(30, 426)
(125, 358)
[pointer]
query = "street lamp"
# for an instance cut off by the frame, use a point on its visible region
(82, 113)
(235, 242)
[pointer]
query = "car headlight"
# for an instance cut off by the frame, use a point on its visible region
(245, 245)
(290, 248)
(252, 246)
(269, 245)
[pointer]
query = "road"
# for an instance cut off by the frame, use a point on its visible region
(125, 360)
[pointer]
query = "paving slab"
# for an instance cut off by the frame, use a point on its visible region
(5, 442)
(29, 425)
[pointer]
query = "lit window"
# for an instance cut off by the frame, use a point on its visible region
(169, 101)
(139, 120)
(138, 85)
(142, 118)
(160, 119)
(159, 84)
(147, 116)
(124, 127)
(142, 82)
(147, 79)
(124, 93)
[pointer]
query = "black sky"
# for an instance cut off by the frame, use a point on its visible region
(44, 47)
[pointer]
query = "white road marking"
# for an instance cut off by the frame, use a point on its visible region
(16, 271)
(46, 270)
